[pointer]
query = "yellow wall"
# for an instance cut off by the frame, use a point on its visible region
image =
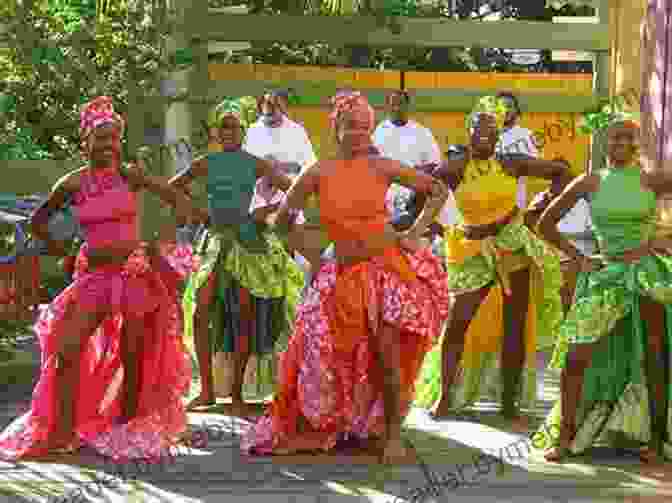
(558, 132)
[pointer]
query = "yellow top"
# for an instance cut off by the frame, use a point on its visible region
(487, 193)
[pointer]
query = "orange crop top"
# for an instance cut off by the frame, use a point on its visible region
(352, 201)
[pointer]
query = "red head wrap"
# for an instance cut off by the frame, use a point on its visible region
(98, 112)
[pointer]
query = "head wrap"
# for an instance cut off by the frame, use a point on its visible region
(98, 112)
(243, 109)
(488, 105)
(361, 118)
(623, 119)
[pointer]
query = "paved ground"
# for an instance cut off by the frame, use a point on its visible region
(217, 472)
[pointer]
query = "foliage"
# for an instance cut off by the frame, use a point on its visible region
(64, 52)
(598, 117)
(400, 58)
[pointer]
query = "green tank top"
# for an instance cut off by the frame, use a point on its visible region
(623, 211)
(230, 187)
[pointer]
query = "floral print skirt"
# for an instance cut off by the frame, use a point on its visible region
(330, 382)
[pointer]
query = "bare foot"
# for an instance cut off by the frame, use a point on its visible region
(441, 410)
(59, 444)
(561, 450)
(202, 400)
(394, 452)
(650, 456)
(243, 409)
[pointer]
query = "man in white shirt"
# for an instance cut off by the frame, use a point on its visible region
(515, 139)
(406, 141)
(276, 136)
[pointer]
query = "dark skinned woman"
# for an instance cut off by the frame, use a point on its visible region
(505, 279)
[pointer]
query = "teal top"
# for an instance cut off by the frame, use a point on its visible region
(232, 177)
(623, 211)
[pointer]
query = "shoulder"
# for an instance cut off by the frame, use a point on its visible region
(71, 182)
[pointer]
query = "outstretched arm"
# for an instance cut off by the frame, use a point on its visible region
(137, 175)
(305, 185)
(548, 222)
(557, 171)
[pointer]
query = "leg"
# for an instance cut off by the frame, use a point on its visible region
(463, 310)
(656, 376)
(385, 346)
(131, 354)
(241, 353)
(202, 343)
(571, 387)
(79, 327)
(513, 347)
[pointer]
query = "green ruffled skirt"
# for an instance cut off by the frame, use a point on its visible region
(274, 282)
(483, 380)
(614, 405)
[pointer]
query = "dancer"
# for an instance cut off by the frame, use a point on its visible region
(404, 140)
(491, 255)
(613, 347)
(342, 374)
(247, 287)
(113, 365)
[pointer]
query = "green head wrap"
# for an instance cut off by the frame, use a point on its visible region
(244, 109)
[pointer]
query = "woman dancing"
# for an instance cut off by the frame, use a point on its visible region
(613, 346)
(247, 284)
(343, 373)
(491, 255)
(118, 389)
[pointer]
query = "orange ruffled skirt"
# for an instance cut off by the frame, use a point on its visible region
(330, 384)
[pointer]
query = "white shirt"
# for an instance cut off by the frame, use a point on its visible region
(518, 140)
(411, 144)
(288, 143)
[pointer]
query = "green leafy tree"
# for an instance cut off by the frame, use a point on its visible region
(61, 53)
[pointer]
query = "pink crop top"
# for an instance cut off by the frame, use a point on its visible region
(107, 210)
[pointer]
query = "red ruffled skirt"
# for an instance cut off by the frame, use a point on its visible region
(132, 290)
(329, 379)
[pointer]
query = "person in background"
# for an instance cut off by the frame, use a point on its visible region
(515, 139)
(404, 140)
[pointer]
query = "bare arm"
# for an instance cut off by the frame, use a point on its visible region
(162, 188)
(278, 178)
(39, 222)
(306, 184)
(556, 171)
(548, 222)
(181, 182)
(659, 182)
